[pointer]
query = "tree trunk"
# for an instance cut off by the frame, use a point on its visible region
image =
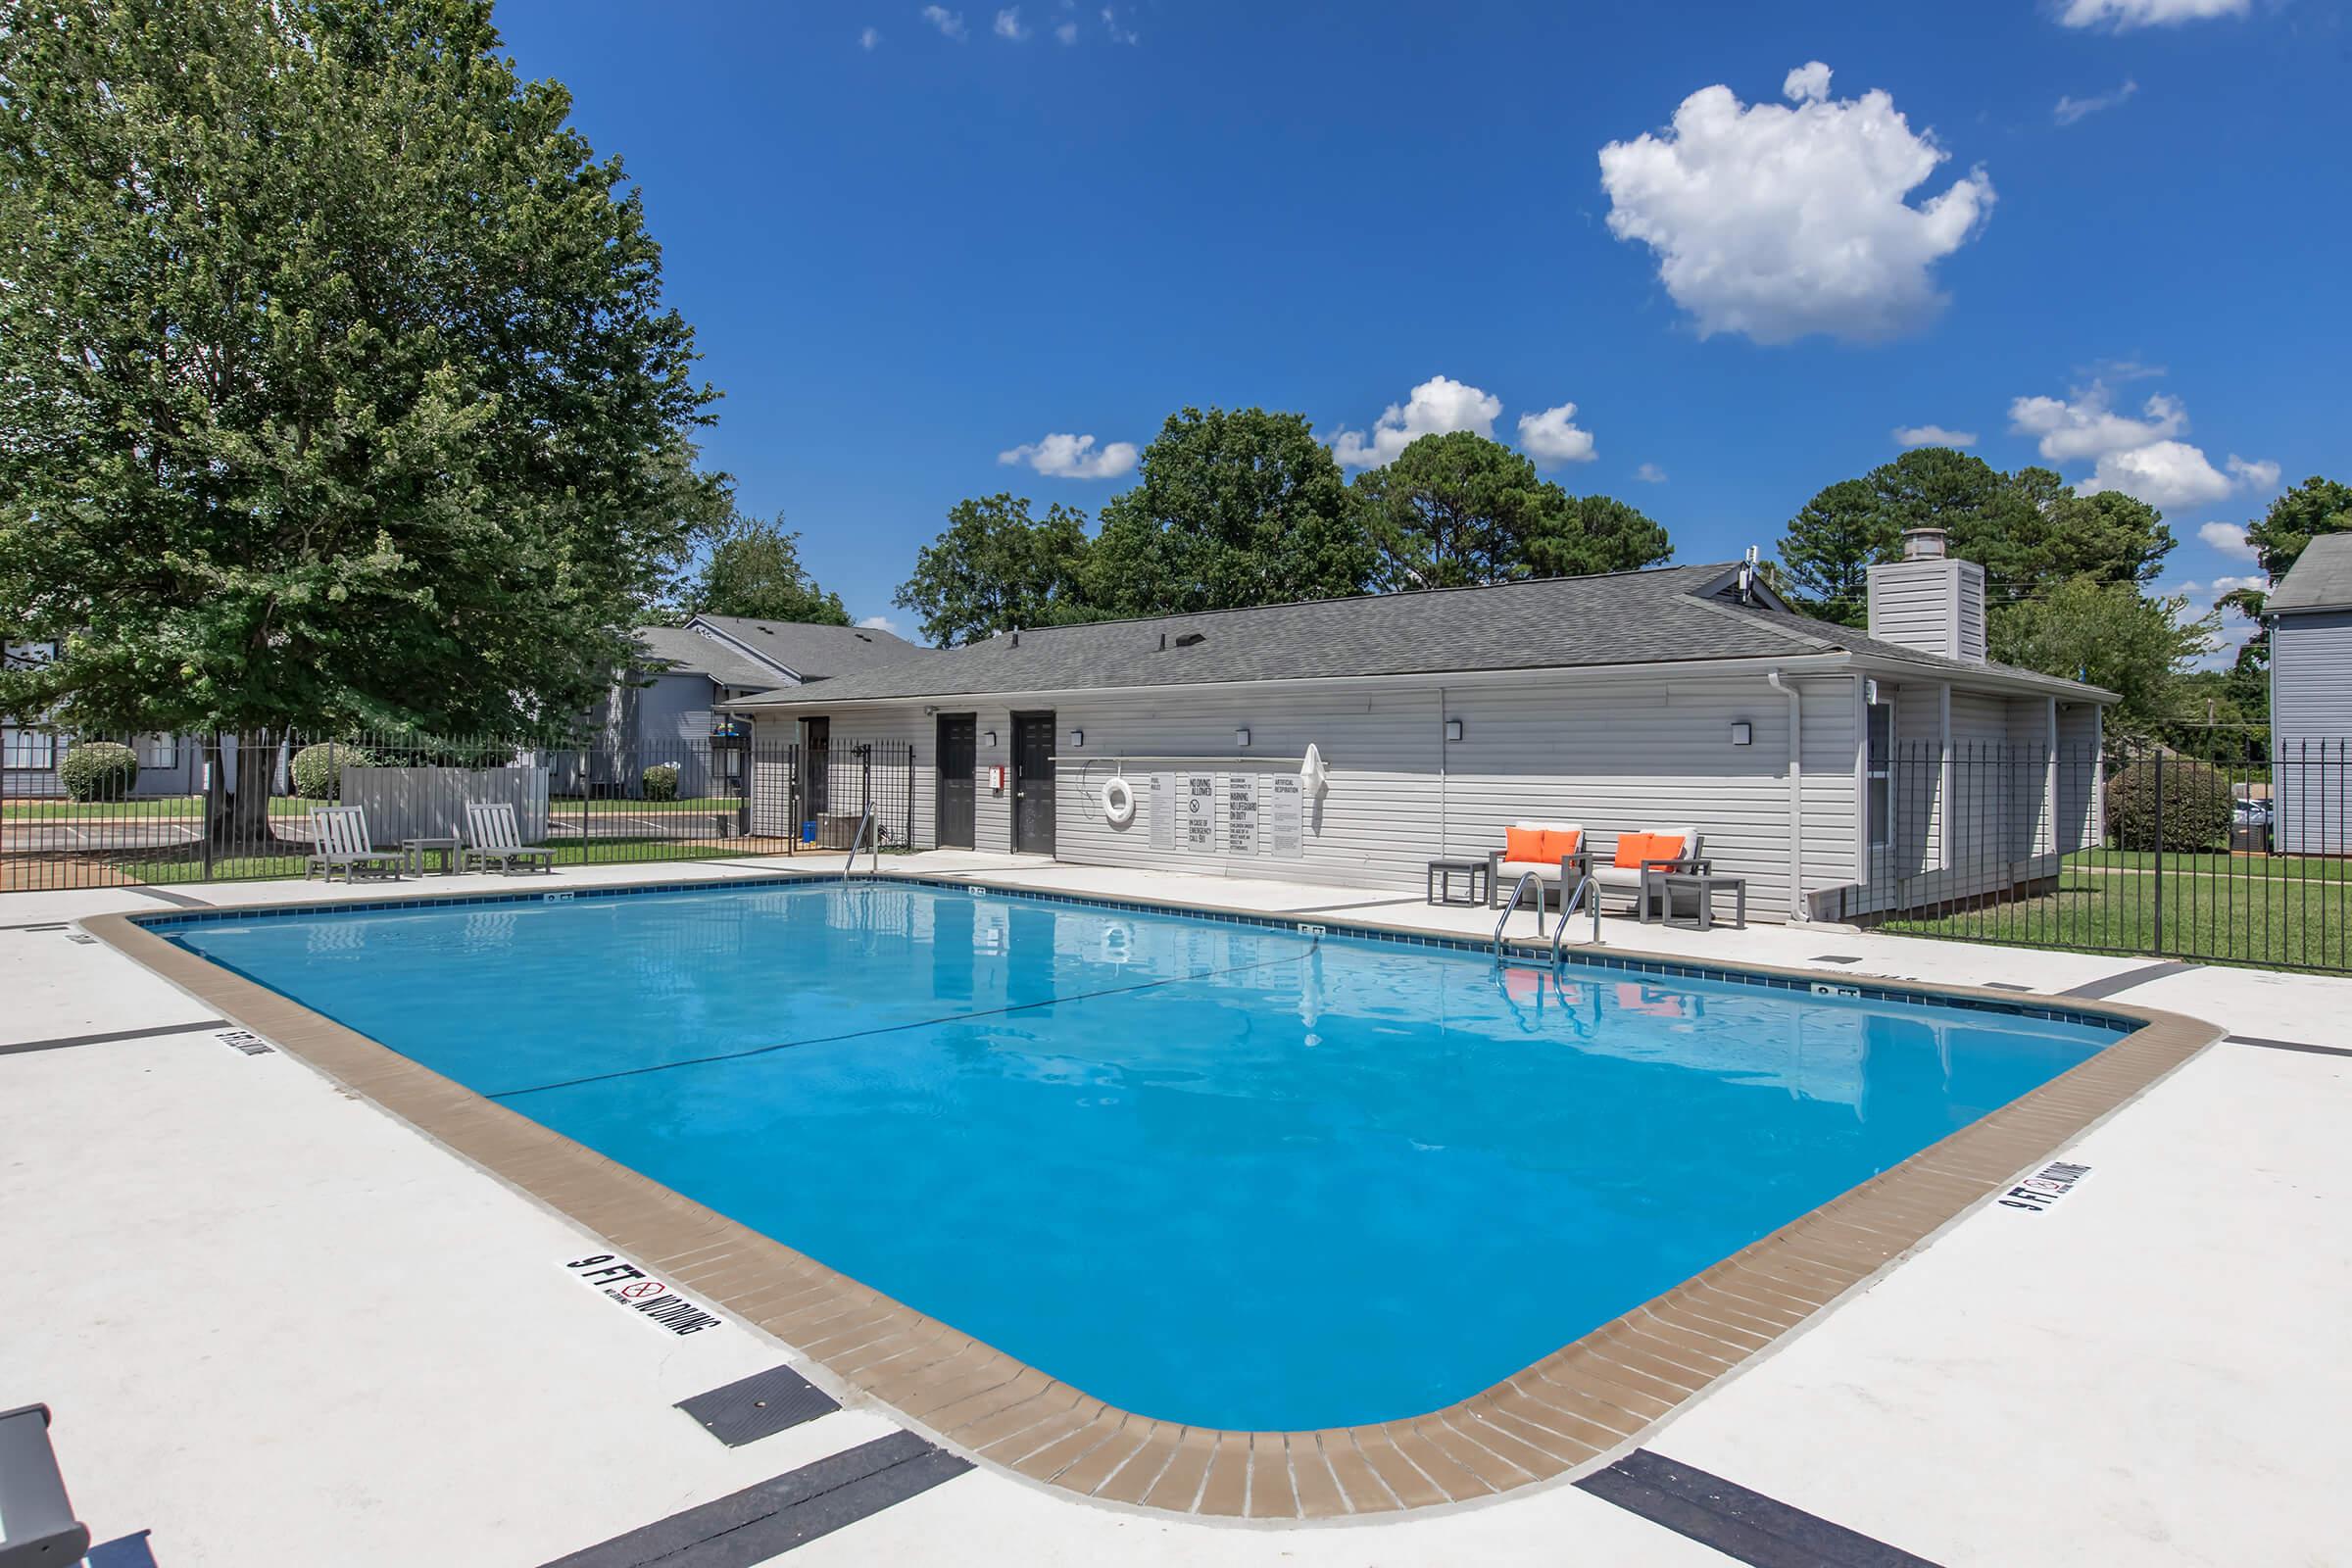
(237, 818)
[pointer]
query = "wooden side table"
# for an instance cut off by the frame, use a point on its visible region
(417, 849)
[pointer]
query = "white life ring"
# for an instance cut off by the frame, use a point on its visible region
(1118, 802)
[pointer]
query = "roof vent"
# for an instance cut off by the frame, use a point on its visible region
(864, 638)
(1192, 638)
(1924, 544)
(1164, 641)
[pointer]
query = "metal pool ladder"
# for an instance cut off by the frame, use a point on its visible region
(1584, 888)
(874, 864)
(1512, 908)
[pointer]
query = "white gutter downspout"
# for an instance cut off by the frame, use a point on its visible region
(1797, 911)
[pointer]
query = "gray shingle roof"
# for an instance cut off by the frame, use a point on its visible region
(675, 650)
(816, 653)
(2320, 578)
(1635, 617)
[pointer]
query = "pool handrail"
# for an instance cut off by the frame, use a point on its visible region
(1510, 906)
(859, 837)
(1568, 906)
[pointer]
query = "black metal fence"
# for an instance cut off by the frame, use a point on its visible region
(2157, 855)
(80, 811)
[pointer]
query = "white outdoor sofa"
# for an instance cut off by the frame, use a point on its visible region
(1645, 882)
(1503, 873)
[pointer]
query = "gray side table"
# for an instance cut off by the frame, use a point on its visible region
(1473, 873)
(417, 849)
(1702, 886)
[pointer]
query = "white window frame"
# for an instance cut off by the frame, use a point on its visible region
(1878, 778)
(27, 749)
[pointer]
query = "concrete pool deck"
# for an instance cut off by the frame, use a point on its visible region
(269, 1313)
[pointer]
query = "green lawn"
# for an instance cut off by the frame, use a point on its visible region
(2216, 909)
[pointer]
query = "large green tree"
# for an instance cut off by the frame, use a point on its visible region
(752, 567)
(2028, 530)
(995, 569)
(2110, 635)
(1830, 545)
(335, 382)
(1458, 508)
(1234, 508)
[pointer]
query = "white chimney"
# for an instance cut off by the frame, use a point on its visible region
(1928, 599)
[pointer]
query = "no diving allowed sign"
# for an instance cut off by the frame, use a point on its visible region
(640, 1294)
(2038, 1192)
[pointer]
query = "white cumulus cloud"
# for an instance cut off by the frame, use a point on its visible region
(2229, 539)
(1552, 437)
(2087, 427)
(2071, 109)
(2163, 473)
(1117, 31)
(949, 22)
(871, 37)
(1066, 32)
(1437, 406)
(2142, 456)
(1008, 25)
(2260, 474)
(1073, 457)
(1780, 223)
(1650, 473)
(2123, 14)
(882, 623)
(1932, 435)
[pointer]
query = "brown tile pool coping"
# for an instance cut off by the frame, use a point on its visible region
(1574, 1409)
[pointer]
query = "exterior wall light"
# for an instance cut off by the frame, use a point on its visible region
(990, 740)
(1077, 739)
(1241, 737)
(1453, 729)
(1742, 732)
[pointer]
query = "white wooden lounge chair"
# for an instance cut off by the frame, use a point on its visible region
(1543, 847)
(339, 838)
(492, 834)
(1638, 866)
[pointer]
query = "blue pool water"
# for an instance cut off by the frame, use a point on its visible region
(1213, 1173)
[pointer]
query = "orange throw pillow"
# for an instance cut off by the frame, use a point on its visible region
(1635, 848)
(1557, 847)
(1523, 843)
(1663, 848)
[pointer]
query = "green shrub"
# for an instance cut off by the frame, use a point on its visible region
(99, 770)
(2198, 804)
(318, 769)
(662, 783)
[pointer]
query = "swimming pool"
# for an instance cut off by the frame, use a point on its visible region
(1216, 1173)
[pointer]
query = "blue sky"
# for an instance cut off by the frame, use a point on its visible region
(910, 250)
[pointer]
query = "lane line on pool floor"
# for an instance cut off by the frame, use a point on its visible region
(899, 1028)
(790, 1510)
(1746, 1526)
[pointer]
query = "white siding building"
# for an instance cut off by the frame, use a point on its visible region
(1680, 696)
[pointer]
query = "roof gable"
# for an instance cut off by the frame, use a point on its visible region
(2320, 579)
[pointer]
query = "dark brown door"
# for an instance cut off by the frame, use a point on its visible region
(1033, 783)
(817, 767)
(958, 752)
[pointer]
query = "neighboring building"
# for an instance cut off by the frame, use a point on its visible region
(29, 752)
(1684, 695)
(2310, 615)
(661, 711)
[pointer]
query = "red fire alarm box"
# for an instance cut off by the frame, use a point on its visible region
(996, 776)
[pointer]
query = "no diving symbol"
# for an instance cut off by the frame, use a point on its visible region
(630, 1293)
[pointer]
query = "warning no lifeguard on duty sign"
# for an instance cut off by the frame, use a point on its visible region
(640, 1294)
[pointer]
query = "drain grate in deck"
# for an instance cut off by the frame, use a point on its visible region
(758, 1406)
